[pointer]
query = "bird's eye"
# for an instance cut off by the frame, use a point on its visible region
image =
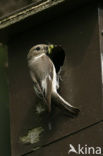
(38, 48)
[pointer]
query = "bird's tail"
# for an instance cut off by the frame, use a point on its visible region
(64, 104)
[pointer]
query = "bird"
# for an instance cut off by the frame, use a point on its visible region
(44, 66)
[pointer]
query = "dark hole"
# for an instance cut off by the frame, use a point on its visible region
(57, 56)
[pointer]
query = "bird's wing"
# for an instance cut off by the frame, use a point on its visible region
(37, 86)
(48, 92)
(42, 76)
(49, 81)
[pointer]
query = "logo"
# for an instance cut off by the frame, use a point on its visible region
(85, 150)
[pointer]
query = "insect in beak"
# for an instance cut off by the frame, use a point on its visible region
(50, 48)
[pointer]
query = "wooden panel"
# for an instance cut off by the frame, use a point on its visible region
(91, 137)
(81, 85)
(100, 16)
(4, 103)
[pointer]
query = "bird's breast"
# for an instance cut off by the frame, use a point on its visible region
(36, 58)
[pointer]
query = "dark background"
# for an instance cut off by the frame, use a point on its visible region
(4, 103)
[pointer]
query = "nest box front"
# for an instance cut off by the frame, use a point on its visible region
(78, 31)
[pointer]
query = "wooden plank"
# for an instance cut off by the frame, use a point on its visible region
(100, 21)
(81, 85)
(23, 19)
(29, 11)
(4, 103)
(91, 137)
(35, 8)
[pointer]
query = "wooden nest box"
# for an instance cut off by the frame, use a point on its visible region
(78, 27)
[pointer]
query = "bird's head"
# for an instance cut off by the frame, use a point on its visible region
(39, 49)
(54, 52)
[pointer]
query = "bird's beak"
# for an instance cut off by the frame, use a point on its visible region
(50, 47)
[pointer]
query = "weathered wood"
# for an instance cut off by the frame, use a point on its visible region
(35, 8)
(81, 85)
(90, 137)
(100, 22)
(4, 103)
(20, 15)
(34, 14)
